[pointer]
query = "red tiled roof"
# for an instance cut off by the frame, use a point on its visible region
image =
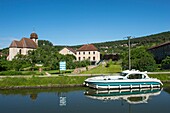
(24, 43)
(88, 47)
(71, 49)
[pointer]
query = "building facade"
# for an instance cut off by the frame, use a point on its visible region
(88, 52)
(23, 46)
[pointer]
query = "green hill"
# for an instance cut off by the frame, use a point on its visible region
(121, 45)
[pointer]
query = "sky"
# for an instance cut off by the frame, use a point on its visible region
(76, 22)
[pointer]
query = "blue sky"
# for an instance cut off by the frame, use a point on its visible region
(75, 22)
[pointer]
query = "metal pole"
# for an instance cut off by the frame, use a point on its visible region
(129, 52)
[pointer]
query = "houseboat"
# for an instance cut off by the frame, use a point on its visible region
(126, 79)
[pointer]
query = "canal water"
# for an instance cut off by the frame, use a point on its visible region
(82, 100)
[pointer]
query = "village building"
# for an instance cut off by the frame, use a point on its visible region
(67, 50)
(86, 52)
(23, 46)
(160, 52)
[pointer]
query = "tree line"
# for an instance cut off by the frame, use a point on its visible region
(46, 55)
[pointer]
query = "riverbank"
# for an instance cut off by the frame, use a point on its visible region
(34, 82)
(41, 82)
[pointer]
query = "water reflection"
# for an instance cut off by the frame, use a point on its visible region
(131, 96)
(33, 93)
(74, 100)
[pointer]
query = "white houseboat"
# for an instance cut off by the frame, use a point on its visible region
(126, 79)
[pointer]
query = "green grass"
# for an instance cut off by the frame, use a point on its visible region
(160, 76)
(11, 73)
(45, 81)
(104, 70)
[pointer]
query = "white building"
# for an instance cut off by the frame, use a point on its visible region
(88, 52)
(23, 46)
(67, 50)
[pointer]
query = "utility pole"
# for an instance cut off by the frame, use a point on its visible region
(129, 52)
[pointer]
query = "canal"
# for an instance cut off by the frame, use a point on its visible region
(84, 100)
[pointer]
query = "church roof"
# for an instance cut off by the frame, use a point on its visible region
(88, 47)
(24, 43)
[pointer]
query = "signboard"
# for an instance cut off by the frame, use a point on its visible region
(62, 66)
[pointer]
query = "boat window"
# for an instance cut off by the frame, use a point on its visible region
(120, 78)
(135, 76)
(123, 74)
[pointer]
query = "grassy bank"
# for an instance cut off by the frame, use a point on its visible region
(104, 70)
(162, 77)
(41, 81)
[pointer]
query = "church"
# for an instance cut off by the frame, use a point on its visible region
(23, 46)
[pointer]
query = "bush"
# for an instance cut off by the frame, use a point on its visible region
(109, 63)
(166, 63)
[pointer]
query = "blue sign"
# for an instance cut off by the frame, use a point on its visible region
(62, 66)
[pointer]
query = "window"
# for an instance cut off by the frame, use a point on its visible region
(79, 58)
(93, 58)
(20, 51)
(89, 58)
(89, 53)
(84, 53)
(135, 76)
(79, 53)
(93, 52)
(83, 58)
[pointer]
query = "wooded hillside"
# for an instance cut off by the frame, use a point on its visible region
(121, 45)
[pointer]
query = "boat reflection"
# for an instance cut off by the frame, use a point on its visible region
(132, 96)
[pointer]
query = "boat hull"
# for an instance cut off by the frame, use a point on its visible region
(123, 84)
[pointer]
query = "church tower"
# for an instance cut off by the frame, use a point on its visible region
(34, 37)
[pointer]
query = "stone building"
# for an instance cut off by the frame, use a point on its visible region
(23, 46)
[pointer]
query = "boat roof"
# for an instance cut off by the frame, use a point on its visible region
(134, 71)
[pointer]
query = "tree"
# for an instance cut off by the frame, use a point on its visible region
(140, 60)
(165, 64)
(44, 43)
(20, 62)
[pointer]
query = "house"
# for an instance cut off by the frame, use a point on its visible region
(23, 46)
(88, 52)
(160, 52)
(68, 50)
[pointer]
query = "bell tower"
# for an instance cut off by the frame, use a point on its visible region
(34, 37)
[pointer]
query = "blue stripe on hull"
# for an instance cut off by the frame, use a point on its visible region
(124, 83)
